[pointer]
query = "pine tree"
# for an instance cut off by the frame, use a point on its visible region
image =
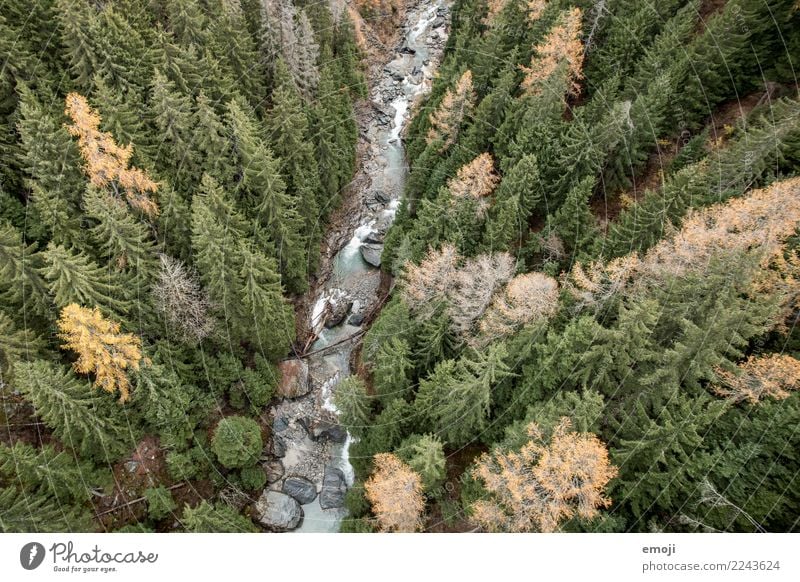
(211, 141)
(20, 282)
(81, 418)
(424, 454)
(51, 159)
(353, 404)
(574, 222)
(78, 26)
(392, 370)
(73, 278)
(172, 116)
(35, 513)
(518, 195)
(208, 518)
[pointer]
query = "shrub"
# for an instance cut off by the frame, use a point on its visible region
(237, 442)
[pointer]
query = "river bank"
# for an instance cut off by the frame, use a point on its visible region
(307, 460)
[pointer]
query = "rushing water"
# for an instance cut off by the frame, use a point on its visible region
(401, 83)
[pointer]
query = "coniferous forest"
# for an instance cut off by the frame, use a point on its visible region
(590, 291)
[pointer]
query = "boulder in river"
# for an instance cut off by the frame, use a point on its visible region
(274, 471)
(303, 490)
(372, 253)
(278, 447)
(278, 512)
(294, 379)
(334, 488)
(356, 319)
(337, 310)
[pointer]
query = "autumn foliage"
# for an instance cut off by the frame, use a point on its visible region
(395, 492)
(102, 350)
(562, 45)
(527, 298)
(477, 181)
(106, 162)
(455, 106)
(772, 376)
(545, 482)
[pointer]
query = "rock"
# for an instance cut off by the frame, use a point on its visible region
(280, 424)
(326, 427)
(303, 490)
(372, 254)
(407, 50)
(131, 466)
(294, 379)
(334, 488)
(439, 21)
(381, 196)
(337, 311)
(274, 471)
(375, 237)
(356, 319)
(278, 447)
(278, 512)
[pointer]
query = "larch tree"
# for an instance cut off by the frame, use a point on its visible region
(106, 163)
(561, 49)
(760, 377)
(428, 283)
(548, 481)
(475, 181)
(395, 492)
(103, 350)
(455, 107)
(473, 287)
(185, 305)
(527, 298)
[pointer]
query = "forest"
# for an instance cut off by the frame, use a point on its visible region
(593, 274)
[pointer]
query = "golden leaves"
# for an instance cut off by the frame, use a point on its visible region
(395, 492)
(107, 162)
(760, 377)
(101, 348)
(476, 180)
(545, 482)
(456, 104)
(561, 45)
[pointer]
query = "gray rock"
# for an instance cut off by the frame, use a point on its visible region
(337, 311)
(278, 512)
(324, 428)
(131, 466)
(278, 447)
(303, 490)
(294, 379)
(280, 424)
(375, 237)
(407, 50)
(372, 254)
(439, 21)
(334, 488)
(356, 319)
(274, 471)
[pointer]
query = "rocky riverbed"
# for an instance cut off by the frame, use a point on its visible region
(307, 460)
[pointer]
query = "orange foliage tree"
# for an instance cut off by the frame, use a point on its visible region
(101, 348)
(476, 180)
(106, 162)
(527, 298)
(760, 377)
(561, 45)
(455, 106)
(544, 483)
(424, 285)
(395, 492)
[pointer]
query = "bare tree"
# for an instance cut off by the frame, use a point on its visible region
(180, 299)
(473, 287)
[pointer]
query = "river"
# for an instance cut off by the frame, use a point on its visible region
(352, 287)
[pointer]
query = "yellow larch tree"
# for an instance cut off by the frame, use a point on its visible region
(527, 298)
(102, 349)
(395, 492)
(425, 284)
(545, 483)
(107, 164)
(476, 180)
(759, 377)
(561, 45)
(455, 106)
